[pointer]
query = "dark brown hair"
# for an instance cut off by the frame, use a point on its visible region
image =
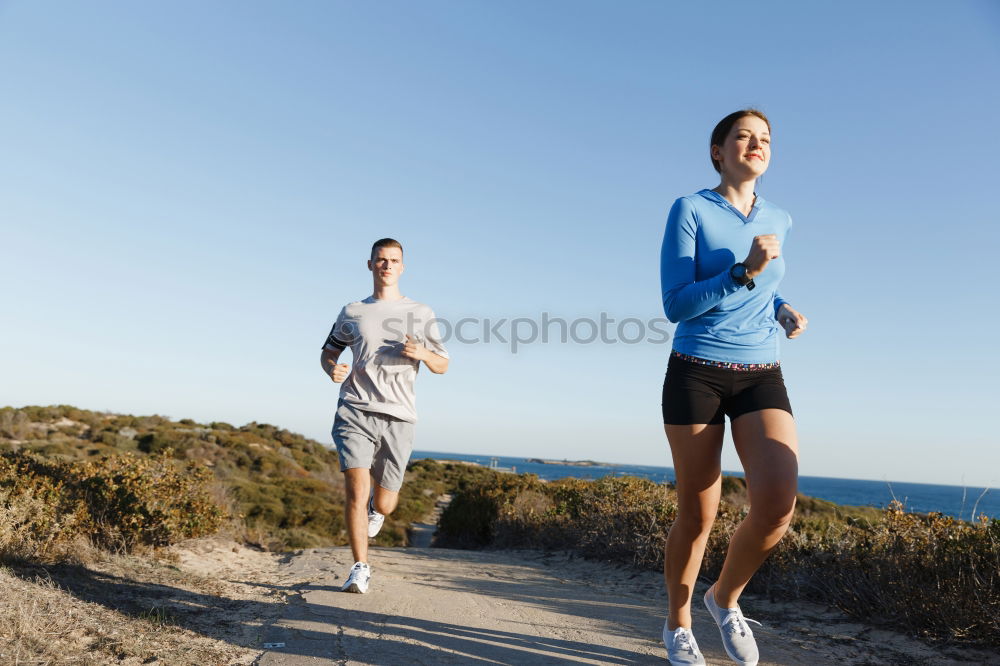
(385, 242)
(721, 130)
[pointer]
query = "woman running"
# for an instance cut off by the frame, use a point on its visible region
(720, 268)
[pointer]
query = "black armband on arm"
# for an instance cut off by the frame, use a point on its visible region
(334, 340)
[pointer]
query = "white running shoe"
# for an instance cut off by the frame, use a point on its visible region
(682, 648)
(375, 519)
(736, 635)
(361, 573)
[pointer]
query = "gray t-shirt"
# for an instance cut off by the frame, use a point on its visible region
(381, 378)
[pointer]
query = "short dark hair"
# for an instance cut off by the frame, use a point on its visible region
(721, 130)
(385, 242)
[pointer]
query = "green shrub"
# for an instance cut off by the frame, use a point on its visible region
(931, 575)
(471, 518)
(117, 503)
(152, 443)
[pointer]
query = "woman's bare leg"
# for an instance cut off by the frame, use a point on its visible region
(696, 451)
(768, 448)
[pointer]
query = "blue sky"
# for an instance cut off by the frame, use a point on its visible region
(189, 191)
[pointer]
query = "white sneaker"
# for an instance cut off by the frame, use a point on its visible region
(361, 573)
(682, 648)
(375, 519)
(736, 635)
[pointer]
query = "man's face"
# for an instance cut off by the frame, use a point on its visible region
(386, 265)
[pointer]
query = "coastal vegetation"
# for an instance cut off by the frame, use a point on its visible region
(92, 504)
(71, 478)
(930, 575)
(78, 485)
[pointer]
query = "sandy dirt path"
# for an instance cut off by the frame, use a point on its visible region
(437, 606)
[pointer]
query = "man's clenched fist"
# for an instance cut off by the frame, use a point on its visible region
(340, 372)
(413, 349)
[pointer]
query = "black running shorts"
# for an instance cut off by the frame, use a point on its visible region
(695, 393)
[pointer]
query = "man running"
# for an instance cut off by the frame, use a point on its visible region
(389, 335)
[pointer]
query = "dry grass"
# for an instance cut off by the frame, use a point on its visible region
(129, 610)
(30, 530)
(88, 580)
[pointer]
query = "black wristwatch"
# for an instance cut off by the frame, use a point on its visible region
(739, 274)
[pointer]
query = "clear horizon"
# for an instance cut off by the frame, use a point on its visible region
(724, 471)
(192, 189)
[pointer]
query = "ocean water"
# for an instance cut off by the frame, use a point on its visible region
(918, 497)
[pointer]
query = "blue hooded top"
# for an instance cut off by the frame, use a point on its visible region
(717, 318)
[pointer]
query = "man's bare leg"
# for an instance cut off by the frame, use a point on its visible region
(357, 488)
(385, 500)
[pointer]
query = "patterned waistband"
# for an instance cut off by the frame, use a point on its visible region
(739, 367)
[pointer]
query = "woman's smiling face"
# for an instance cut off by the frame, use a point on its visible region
(746, 152)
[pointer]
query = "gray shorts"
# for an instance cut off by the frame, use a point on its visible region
(374, 441)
